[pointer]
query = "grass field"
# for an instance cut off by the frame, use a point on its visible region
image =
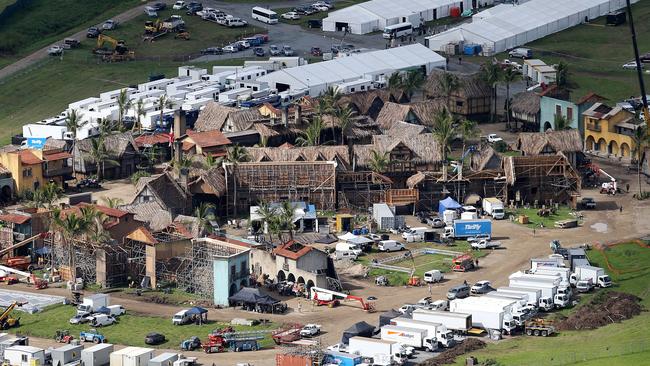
(130, 329)
(5, 3)
(626, 343)
(534, 221)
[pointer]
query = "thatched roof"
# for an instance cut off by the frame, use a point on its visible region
(117, 145)
(415, 179)
(309, 153)
(471, 86)
(360, 126)
(244, 119)
(213, 116)
(151, 213)
(54, 144)
(423, 146)
(391, 113)
(365, 101)
(485, 158)
(403, 129)
(525, 103)
(214, 178)
(533, 143)
(165, 188)
(425, 110)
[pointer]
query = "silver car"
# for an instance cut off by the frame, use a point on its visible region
(79, 319)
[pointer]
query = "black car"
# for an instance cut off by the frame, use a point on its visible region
(193, 8)
(154, 338)
(159, 6)
(212, 51)
(93, 32)
(259, 52)
(314, 23)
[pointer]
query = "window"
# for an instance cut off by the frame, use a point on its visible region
(243, 266)
(459, 103)
(27, 172)
(23, 358)
(558, 110)
(233, 270)
(569, 114)
(352, 90)
(363, 87)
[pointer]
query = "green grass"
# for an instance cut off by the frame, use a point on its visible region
(534, 221)
(44, 22)
(5, 3)
(626, 343)
(129, 330)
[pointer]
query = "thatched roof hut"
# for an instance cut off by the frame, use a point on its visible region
(525, 106)
(392, 113)
(422, 150)
(549, 142)
(426, 110)
(338, 154)
(367, 103)
(218, 117)
(485, 159)
(403, 130)
(472, 98)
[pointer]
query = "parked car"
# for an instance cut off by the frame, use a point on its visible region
(407, 308)
(588, 203)
(478, 237)
(292, 15)
(193, 8)
(247, 345)
(631, 65)
(287, 50)
(109, 24)
(435, 222)
(178, 5)
(493, 137)
(231, 48)
(440, 305)
(79, 319)
(481, 287)
(275, 50)
(521, 53)
(425, 301)
(324, 4)
(150, 12)
(485, 244)
(320, 7)
(154, 338)
(433, 276)
(55, 50)
(101, 320)
(244, 45)
(212, 51)
(310, 330)
(314, 23)
(93, 32)
(316, 51)
(159, 6)
(259, 52)
(458, 292)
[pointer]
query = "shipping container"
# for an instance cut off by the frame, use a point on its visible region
(138, 357)
(294, 360)
(460, 322)
(66, 354)
(164, 359)
(117, 357)
(97, 355)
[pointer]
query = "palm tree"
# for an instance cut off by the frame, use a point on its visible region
(205, 213)
(331, 97)
(412, 82)
(449, 83)
(72, 123)
(100, 155)
(182, 164)
(379, 162)
(236, 154)
(163, 102)
(344, 116)
(468, 130)
(561, 123)
(106, 127)
(267, 213)
(210, 161)
(124, 104)
(509, 75)
(444, 131)
(640, 141)
(46, 196)
(562, 74)
(113, 202)
(491, 74)
(286, 217)
(394, 82)
(311, 135)
(139, 112)
(70, 227)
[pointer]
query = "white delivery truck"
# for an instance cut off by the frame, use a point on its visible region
(457, 322)
(550, 286)
(552, 262)
(535, 297)
(563, 272)
(443, 336)
(494, 207)
(348, 247)
(382, 352)
(90, 304)
(24, 356)
(413, 337)
(597, 276)
(491, 314)
(414, 234)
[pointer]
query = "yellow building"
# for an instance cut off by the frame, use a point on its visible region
(25, 167)
(609, 130)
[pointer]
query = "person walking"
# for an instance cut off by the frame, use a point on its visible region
(620, 209)
(429, 289)
(533, 231)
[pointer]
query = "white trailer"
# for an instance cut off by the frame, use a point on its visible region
(552, 262)
(24, 356)
(90, 304)
(382, 352)
(438, 331)
(35, 130)
(487, 313)
(117, 357)
(413, 337)
(521, 299)
(138, 357)
(164, 359)
(563, 272)
(597, 276)
(494, 207)
(97, 355)
(535, 297)
(456, 321)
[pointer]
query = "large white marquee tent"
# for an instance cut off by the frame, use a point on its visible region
(374, 15)
(507, 26)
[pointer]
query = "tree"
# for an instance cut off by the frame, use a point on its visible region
(561, 123)
(640, 141)
(267, 213)
(139, 112)
(562, 74)
(124, 104)
(163, 102)
(311, 135)
(184, 163)
(412, 82)
(509, 76)
(394, 82)
(379, 162)
(344, 116)
(491, 74)
(72, 123)
(113, 202)
(236, 154)
(468, 130)
(330, 99)
(286, 217)
(70, 227)
(100, 155)
(45, 196)
(444, 131)
(205, 213)
(449, 83)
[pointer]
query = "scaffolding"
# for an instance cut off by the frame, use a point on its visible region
(359, 190)
(303, 352)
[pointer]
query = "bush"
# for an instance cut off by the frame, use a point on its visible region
(500, 146)
(137, 175)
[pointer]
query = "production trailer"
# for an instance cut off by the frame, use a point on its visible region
(491, 314)
(444, 336)
(534, 296)
(597, 276)
(164, 359)
(552, 262)
(413, 337)
(67, 354)
(97, 355)
(468, 228)
(24, 356)
(563, 272)
(382, 352)
(455, 321)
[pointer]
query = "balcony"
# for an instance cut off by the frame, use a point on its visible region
(593, 127)
(48, 173)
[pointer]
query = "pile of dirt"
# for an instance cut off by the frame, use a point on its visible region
(603, 309)
(449, 356)
(349, 268)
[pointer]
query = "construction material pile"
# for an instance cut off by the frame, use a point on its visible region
(449, 356)
(603, 309)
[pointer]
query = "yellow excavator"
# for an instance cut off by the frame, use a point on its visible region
(7, 321)
(117, 52)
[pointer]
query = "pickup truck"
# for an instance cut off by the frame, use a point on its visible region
(485, 244)
(310, 330)
(493, 138)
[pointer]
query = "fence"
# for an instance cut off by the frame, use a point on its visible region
(383, 262)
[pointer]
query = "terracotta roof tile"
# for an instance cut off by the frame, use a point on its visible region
(15, 218)
(108, 211)
(28, 158)
(292, 250)
(208, 138)
(148, 140)
(57, 156)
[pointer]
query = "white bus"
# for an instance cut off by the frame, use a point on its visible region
(265, 15)
(398, 30)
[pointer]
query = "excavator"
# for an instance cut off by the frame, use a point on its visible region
(7, 321)
(118, 51)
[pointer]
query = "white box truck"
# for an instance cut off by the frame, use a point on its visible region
(536, 263)
(458, 322)
(535, 297)
(90, 304)
(563, 272)
(444, 336)
(24, 356)
(597, 276)
(491, 314)
(382, 352)
(494, 207)
(413, 337)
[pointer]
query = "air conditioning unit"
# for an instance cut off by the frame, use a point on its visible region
(19, 236)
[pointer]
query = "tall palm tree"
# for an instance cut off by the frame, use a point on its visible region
(100, 155)
(182, 164)
(139, 112)
(311, 135)
(267, 213)
(509, 76)
(468, 130)
(394, 83)
(210, 161)
(640, 141)
(344, 116)
(444, 131)
(491, 74)
(561, 123)
(113, 202)
(205, 213)
(379, 162)
(72, 123)
(236, 154)
(562, 74)
(449, 83)
(286, 217)
(124, 104)
(106, 127)
(163, 102)
(412, 82)
(331, 96)
(70, 227)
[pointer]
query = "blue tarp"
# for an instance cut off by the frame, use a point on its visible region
(197, 311)
(447, 204)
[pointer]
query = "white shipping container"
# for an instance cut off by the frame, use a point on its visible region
(451, 320)
(487, 313)
(138, 357)
(534, 294)
(117, 357)
(369, 347)
(24, 356)
(97, 355)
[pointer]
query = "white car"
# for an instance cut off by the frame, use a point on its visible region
(244, 44)
(485, 244)
(79, 319)
(292, 15)
(407, 309)
(493, 137)
(320, 7)
(425, 301)
(310, 330)
(481, 287)
(631, 66)
(179, 5)
(323, 4)
(230, 48)
(287, 50)
(109, 25)
(435, 222)
(55, 50)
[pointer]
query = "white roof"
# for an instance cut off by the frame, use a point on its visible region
(26, 349)
(385, 9)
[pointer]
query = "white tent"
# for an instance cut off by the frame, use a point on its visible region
(506, 26)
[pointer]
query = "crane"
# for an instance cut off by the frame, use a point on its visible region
(607, 187)
(7, 321)
(118, 51)
(331, 298)
(458, 165)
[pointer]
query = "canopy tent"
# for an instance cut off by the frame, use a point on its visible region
(253, 299)
(197, 311)
(361, 329)
(347, 236)
(505, 26)
(448, 204)
(198, 314)
(327, 239)
(361, 240)
(385, 318)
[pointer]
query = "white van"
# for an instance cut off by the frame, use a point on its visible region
(439, 305)
(101, 320)
(180, 318)
(433, 276)
(390, 246)
(345, 254)
(116, 310)
(348, 247)
(414, 234)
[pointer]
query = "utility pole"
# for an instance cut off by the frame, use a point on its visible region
(639, 72)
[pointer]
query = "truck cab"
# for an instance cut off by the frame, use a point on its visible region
(545, 303)
(181, 318)
(561, 300)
